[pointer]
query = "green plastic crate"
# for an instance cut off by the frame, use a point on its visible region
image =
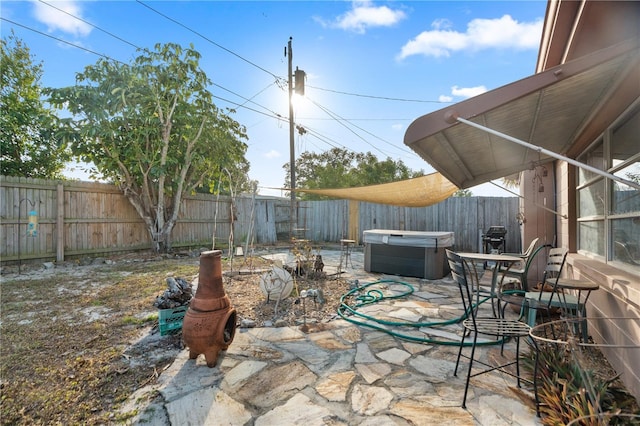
(170, 320)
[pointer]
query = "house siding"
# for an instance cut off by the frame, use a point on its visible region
(614, 310)
(574, 29)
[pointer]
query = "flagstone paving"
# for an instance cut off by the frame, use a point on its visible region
(340, 373)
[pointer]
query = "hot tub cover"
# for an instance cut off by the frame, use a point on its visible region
(408, 238)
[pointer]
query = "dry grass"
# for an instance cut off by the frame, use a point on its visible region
(77, 341)
(65, 335)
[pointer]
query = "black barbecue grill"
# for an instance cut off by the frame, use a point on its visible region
(493, 240)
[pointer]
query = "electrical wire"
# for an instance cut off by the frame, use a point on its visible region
(275, 115)
(272, 114)
(357, 119)
(384, 98)
(93, 25)
(60, 40)
(175, 21)
(107, 57)
(278, 80)
(341, 122)
(327, 140)
(406, 151)
(249, 100)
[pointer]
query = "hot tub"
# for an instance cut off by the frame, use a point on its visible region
(407, 253)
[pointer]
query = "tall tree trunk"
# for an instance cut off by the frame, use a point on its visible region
(165, 236)
(155, 234)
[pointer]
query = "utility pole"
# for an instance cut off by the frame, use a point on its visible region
(299, 89)
(292, 154)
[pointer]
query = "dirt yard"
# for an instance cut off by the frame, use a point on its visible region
(79, 338)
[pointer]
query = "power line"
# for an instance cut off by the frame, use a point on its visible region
(140, 48)
(272, 114)
(343, 120)
(340, 121)
(248, 100)
(278, 80)
(207, 39)
(357, 119)
(61, 40)
(275, 115)
(89, 23)
(325, 139)
(102, 55)
(229, 51)
(378, 97)
(375, 136)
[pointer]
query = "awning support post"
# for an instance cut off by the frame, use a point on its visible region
(550, 153)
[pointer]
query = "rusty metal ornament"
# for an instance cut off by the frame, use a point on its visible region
(209, 325)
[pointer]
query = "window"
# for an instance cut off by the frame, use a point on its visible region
(609, 211)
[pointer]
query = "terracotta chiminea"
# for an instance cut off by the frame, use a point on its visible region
(210, 322)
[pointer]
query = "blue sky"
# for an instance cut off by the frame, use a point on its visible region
(372, 66)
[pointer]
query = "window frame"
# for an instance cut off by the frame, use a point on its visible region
(608, 217)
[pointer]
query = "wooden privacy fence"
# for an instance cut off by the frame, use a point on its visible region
(467, 217)
(82, 218)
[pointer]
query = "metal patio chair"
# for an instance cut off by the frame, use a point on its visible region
(516, 296)
(520, 271)
(547, 300)
(561, 293)
(475, 325)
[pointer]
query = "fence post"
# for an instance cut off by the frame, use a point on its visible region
(353, 222)
(60, 223)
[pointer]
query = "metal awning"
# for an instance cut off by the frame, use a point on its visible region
(547, 110)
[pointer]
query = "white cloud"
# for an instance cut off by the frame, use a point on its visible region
(397, 126)
(501, 33)
(57, 20)
(445, 98)
(467, 92)
(273, 154)
(441, 24)
(363, 15)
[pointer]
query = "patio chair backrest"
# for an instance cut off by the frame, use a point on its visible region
(527, 253)
(555, 263)
(462, 277)
(527, 257)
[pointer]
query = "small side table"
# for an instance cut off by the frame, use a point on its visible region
(345, 253)
(496, 259)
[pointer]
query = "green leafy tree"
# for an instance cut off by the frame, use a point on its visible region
(463, 193)
(231, 182)
(339, 168)
(28, 144)
(151, 128)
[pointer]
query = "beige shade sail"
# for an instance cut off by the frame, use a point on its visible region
(417, 192)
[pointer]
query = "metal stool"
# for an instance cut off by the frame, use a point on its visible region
(345, 253)
(573, 305)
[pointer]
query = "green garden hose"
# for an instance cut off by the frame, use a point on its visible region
(369, 297)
